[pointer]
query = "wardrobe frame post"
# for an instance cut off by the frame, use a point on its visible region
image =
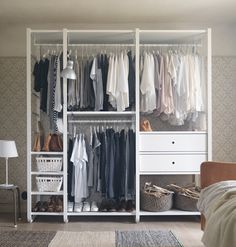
(65, 41)
(137, 179)
(29, 130)
(209, 93)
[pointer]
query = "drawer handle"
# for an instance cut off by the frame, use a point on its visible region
(173, 142)
(173, 162)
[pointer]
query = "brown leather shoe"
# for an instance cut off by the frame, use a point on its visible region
(46, 143)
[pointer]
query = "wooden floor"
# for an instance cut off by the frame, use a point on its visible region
(186, 229)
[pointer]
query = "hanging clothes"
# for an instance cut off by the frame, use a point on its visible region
(175, 80)
(109, 159)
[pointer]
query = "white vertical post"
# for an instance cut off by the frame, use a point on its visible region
(6, 170)
(137, 216)
(65, 128)
(209, 93)
(28, 97)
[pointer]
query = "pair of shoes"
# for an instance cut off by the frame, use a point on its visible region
(130, 206)
(126, 206)
(86, 207)
(94, 207)
(108, 205)
(78, 207)
(70, 206)
(44, 207)
(122, 206)
(37, 206)
(59, 204)
(55, 204)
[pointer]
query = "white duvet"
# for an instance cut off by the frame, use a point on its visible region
(218, 204)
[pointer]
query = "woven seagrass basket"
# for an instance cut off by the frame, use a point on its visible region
(184, 202)
(155, 204)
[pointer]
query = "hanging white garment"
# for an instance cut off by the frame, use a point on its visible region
(177, 117)
(58, 103)
(122, 86)
(96, 76)
(167, 103)
(112, 80)
(79, 158)
(147, 86)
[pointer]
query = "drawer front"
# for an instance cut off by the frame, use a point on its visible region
(173, 142)
(171, 163)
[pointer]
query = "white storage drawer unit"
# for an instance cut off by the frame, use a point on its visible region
(159, 142)
(171, 163)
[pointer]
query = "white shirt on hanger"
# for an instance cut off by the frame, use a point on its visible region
(112, 80)
(147, 86)
(122, 87)
(79, 158)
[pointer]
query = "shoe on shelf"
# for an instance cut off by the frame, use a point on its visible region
(44, 207)
(122, 206)
(70, 206)
(37, 206)
(103, 206)
(94, 207)
(86, 207)
(59, 204)
(112, 205)
(78, 207)
(130, 206)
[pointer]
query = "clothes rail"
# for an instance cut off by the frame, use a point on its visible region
(101, 121)
(153, 45)
(98, 45)
(119, 45)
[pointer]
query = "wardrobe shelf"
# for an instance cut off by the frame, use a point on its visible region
(169, 212)
(46, 153)
(46, 193)
(100, 113)
(168, 173)
(47, 173)
(171, 132)
(47, 213)
(101, 213)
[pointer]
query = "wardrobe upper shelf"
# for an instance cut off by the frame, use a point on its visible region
(100, 113)
(47, 153)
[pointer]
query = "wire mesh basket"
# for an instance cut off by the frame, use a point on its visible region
(48, 184)
(49, 164)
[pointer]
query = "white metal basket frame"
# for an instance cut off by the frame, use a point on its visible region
(49, 164)
(49, 184)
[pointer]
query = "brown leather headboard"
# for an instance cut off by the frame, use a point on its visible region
(212, 172)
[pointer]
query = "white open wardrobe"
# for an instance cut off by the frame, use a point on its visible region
(169, 149)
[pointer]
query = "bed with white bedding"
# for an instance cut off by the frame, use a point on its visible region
(217, 204)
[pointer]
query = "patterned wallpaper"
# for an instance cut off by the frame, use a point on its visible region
(13, 122)
(13, 116)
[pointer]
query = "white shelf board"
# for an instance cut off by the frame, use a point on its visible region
(171, 132)
(47, 173)
(46, 193)
(100, 113)
(101, 213)
(46, 153)
(169, 213)
(47, 213)
(169, 173)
